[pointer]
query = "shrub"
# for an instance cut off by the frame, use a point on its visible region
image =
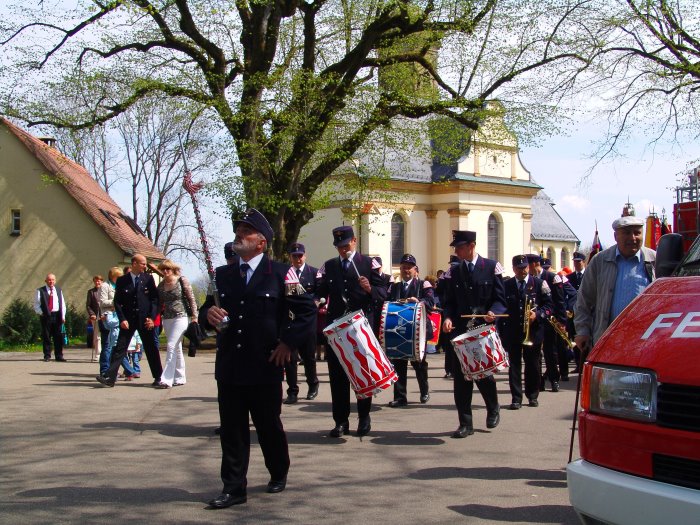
(21, 324)
(76, 322)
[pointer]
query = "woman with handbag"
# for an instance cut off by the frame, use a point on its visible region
(178, 306)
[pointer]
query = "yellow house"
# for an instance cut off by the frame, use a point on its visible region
(488, 190)
(57, 219)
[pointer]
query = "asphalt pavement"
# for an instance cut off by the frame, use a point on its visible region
(72, 451)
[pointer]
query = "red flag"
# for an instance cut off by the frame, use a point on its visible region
(653, 231)
(596, 246)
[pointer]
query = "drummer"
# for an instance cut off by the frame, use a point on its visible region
(411, 289)
(350, 282)
(473, 287)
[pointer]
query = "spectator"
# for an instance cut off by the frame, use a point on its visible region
(612, 280)
(179, 306)
(51, 307)
(92, 305)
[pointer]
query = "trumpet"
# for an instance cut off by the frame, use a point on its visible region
(560, 331)
(529, 306)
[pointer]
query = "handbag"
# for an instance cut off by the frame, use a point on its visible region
(64, 334)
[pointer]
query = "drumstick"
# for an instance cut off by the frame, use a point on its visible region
(484, 315)
(356, 270)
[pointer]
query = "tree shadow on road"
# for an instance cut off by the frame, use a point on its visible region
(561, 514)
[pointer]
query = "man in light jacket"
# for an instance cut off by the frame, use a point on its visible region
(612, 280)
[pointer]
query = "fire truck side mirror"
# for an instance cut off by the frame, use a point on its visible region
(669, 253)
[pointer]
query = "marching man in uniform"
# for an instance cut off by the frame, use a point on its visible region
(473, 287)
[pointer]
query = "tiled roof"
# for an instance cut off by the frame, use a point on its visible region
(547, 224)
(89, 195)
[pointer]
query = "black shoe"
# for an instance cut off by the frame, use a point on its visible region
(364, 426)
(156, 382)
(47, 359)
(313, 392)
(555, 387)
(398, 403)
(291, 399)
(514, 406)
(424, 398)
(61, 359)
(492, 420)
(105, 380)
(340, 430)
(448, 375)
(224, 500)
(533, 403)
(463, 431)
(273, 487)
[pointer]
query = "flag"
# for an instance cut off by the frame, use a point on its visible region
(653, 231)
(596, 246)
(665, 226)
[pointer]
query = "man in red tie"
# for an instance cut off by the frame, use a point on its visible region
(51, 307)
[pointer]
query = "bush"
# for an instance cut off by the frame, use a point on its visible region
(76, 322)
(20, 323)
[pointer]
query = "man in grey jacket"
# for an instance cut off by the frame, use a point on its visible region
(612, 280)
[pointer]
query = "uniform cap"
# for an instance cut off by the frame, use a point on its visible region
(342, 235)
(462, 237)
(258, 222)
(407, 258)
(520, 261)
(546, 263)
(296, 248)
(629, 220)
(578, 256)
(533, 258)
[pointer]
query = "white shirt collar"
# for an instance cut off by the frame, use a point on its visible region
(254, 262)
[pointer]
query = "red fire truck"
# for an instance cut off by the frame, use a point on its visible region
(639, 424)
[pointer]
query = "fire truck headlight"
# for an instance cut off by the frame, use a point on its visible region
(623, 392)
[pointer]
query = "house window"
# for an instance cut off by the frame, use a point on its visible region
(494, 238)
(398, 236)
(550, 256)
(15, 224)
(564, 257)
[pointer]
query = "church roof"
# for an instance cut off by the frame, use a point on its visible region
(547, 224)
(121, 228)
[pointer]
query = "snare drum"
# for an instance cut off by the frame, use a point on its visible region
(480, 352)
(402, 330)
(360, 355)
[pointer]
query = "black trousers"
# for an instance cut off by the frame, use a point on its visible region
(340, 391)
(308, 355)
(149, 347)
(464, 389)
(264, 404)
(450, 357)
(551, 358)
(401, 367)
(530, 355)
(51, 330)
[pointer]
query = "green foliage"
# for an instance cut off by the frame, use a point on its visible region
(76, 322)
(20, 323)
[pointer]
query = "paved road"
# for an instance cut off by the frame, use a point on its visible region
(72, 451)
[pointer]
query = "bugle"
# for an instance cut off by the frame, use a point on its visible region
(560, 331)
(529, 306)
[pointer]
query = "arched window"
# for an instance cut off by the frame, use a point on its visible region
(564, 257)
(550, 256)
(398, 236)
(494, 238)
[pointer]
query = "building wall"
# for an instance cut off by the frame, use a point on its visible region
(57, 235)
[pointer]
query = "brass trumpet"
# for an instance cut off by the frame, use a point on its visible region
(529, 306)
(560, 332)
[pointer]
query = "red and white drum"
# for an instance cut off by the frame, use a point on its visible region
(360, 354)
(480, 352)
(435, 318)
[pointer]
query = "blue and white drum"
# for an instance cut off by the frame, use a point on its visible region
(402, 330)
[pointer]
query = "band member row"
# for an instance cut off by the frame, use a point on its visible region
(349, 283)
(411, 289)
(522, 339)
(473, 287)
(307, 350)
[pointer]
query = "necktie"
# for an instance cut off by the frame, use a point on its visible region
(298, 270)
(137, 281)
(50, 300)
(470, 266)
(578, 276)
(346, 265)
(521, 287)
(405, 290)
(244, 272)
